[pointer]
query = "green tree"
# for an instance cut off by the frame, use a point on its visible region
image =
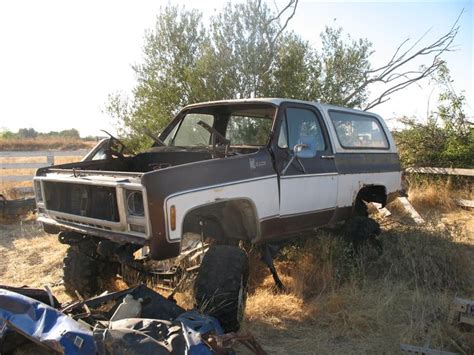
(70, 133)
(296, 70)
(246, 51)
(171, 53)
(27, 133)
(446, 139)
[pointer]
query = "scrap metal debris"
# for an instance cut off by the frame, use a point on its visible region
(11, 209)
(461, 312)
(133, 321)
(411, 210)
(223, 344)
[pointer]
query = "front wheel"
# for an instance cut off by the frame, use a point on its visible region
(220, 288)
(84, 272)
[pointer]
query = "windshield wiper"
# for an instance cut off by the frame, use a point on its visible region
(153, 136)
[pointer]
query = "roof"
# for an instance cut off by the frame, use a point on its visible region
(277, 101)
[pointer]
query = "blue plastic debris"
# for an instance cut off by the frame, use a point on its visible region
(59, 332)
(43, 325)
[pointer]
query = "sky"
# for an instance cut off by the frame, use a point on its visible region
(59, 60)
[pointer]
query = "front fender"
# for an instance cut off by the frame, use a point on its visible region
(190, 185)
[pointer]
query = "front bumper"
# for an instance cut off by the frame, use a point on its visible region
(122, 238)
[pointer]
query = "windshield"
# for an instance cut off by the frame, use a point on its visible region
(188, 133)
(241, 125)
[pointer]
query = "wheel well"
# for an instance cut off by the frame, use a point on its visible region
(372, 193)
(228, 219)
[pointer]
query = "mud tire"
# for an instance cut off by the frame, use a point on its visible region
(220, 289)
(363, 230)
(85, 272)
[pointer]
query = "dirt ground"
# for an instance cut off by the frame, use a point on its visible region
(332, 305)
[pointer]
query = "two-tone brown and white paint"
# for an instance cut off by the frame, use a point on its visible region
(282, 205)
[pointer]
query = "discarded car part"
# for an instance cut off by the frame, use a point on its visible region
(411, 210)
(407, 349)
(154, 305)
(184, 335)
(10, 209)
(140, 336)
(222, 344)
(35, 293)
(162, 329)
(221, 285)
(383, 211)
(129, 308)
(465, 203)
(42, 324)
(461, 312)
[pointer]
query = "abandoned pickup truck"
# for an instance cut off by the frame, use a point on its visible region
(256, 170)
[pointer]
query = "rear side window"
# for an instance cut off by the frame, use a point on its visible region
(358, 131)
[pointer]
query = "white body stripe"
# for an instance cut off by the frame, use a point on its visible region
(263, 193)
(299, 194)
(302, 194)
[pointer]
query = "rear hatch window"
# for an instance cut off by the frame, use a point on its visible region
(358, 131)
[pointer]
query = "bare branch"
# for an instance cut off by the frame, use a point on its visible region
(273, 39)
(280, 13)
(395, 72)
(282, 28)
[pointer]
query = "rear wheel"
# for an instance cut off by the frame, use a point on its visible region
(362, 230)
(84, 272)
(220, 288)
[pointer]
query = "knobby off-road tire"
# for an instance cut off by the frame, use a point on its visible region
(362, 230)
(220, 289)
(85, 272)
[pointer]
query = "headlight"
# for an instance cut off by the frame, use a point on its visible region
(134, 201)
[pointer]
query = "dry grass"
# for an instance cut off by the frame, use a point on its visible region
(31, 257)
(43, 143)
(335, 301)
(440, 194)
(9, 189)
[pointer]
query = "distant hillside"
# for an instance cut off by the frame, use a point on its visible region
(45, 143)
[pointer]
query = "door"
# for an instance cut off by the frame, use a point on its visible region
(308, 185)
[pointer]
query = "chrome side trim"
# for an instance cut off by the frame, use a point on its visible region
(306, 213)
(307, 175)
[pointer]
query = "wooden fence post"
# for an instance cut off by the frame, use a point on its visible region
(50, 160)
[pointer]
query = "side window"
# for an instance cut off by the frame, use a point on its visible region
(245, 130)
(282, 136)
(358, 130)
(301, 126)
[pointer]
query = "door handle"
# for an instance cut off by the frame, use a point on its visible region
(327, 156)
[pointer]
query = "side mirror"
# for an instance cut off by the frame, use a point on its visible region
(300, 150)
(304, 150)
